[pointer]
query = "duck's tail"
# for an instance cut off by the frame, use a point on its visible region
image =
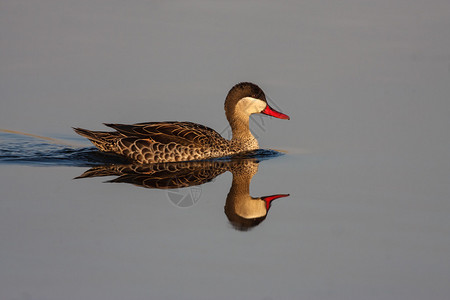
(104, 141)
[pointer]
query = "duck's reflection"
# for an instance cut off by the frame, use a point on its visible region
(243, 211)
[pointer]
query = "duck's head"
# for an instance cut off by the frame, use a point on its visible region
(246, 98)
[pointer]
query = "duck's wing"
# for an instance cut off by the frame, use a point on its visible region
(183, 133)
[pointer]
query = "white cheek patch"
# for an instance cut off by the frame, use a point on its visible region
(251, 105)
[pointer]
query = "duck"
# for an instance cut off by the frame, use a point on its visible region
(174, 141)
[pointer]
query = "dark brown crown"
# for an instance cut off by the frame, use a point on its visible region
(239, 91)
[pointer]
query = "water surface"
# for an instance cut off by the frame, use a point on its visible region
(366, 153)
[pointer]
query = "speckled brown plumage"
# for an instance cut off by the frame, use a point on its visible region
(157, 142)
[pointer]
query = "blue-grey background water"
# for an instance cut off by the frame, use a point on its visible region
(367, 162)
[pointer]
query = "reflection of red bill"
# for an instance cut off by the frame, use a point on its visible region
(271, 112)
(269, 199)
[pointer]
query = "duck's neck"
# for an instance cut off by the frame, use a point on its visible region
(242, 135)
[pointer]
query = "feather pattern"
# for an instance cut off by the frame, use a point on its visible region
(158, 142)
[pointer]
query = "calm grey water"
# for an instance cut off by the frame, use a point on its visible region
(367, 162)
